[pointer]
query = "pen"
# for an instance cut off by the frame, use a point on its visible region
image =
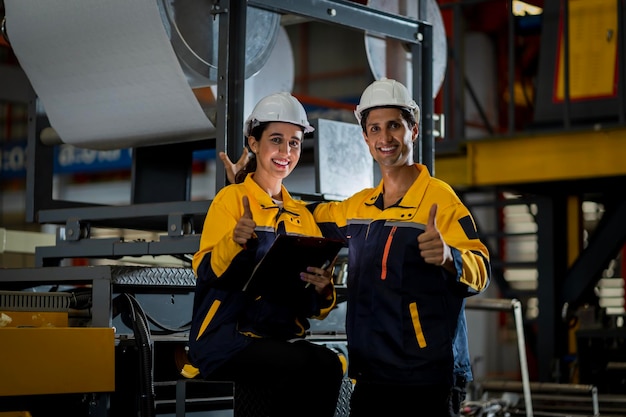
(324, 266)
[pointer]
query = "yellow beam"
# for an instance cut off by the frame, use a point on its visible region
(54, 360)
(453, 170)
(541, 158)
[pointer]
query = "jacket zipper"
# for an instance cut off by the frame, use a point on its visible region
(383, 274)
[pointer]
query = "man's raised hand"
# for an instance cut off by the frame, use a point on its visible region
(233, 168)
(432, 247)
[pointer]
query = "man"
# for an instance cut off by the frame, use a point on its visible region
(414, 255)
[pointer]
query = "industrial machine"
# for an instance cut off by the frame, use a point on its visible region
(88, 330)
(556, 130)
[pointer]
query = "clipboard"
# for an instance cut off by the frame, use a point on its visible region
(278, 272)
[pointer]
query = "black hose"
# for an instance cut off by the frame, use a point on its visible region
(144, 345)
(143, 342)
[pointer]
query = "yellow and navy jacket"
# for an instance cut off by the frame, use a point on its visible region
(405, 318)
(225, 318)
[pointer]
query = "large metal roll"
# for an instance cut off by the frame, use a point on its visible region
(389, 58)
(193, 29)
(121, 74)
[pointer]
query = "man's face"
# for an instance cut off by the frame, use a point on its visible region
(389, 137)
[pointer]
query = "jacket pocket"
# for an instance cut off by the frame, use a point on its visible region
(209, 316)
(417, 325)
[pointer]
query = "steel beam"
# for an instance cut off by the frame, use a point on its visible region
(537, 158)
(348, 14)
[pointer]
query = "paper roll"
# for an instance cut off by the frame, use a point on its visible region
(105, 72)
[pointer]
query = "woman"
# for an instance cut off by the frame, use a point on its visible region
(259, 341)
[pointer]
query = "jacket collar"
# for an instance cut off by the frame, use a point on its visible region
(413, 196)
(265, 200)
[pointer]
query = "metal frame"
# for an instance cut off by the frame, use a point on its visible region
(515, 306)
(418, 36)
(563, 284)
(547, 390)
(105, 281)
(169, 209)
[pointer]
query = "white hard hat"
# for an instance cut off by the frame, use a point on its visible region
(278, 107)
(386, 92)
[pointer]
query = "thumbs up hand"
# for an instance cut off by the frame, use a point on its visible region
(244, 229)
(432, 246)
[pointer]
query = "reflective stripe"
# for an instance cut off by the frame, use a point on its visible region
(383, 274)
(250, 334)
(417, 326)
(209, 316)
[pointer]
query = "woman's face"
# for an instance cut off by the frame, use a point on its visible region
(277, 150)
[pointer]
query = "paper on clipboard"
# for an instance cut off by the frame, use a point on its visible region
(278, 273)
